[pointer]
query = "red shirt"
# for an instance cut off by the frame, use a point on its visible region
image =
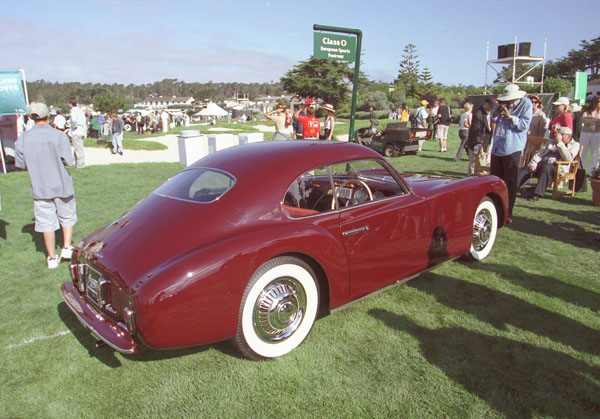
(310, 126)
(565, 119)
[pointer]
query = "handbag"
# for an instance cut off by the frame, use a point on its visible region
(580, 185)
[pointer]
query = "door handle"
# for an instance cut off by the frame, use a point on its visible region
(356, 230)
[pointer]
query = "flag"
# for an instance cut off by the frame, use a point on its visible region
(12, 96)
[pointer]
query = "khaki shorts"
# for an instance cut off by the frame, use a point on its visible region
(442, 132)
(49, 213)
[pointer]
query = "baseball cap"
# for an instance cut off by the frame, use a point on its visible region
(565, 131)
(37, 110)
(308, 102)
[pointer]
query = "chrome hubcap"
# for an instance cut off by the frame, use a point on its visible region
(279, 309)
(482, 230)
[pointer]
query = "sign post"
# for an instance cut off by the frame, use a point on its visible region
(340, 48)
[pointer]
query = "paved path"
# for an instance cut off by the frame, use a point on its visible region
(97, 156)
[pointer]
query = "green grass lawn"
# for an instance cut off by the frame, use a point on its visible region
(517, 335)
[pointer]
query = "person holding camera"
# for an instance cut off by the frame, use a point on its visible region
(512, 117)
(279, 117)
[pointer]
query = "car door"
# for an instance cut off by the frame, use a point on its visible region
(386, 239)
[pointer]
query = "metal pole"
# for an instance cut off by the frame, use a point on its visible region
(358, 34)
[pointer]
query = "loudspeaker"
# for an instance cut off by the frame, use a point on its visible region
(510, 50)
(524, 49)
(501, 51)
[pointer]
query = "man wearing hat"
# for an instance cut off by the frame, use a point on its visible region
(44, 151)
(564, 148)
(513, 117)
(302, 112)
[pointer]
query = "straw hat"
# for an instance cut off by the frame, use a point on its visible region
(328, 107)
(511, 92)
(575, 107)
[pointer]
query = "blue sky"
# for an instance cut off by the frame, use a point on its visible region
(258, 41)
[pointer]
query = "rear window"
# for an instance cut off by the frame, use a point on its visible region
(202, 185)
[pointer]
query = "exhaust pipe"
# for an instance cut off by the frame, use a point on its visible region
(99, 344)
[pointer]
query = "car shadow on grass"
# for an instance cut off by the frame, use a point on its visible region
(564, 232)
(502, 310)
(108, 355)
(86, 339)
(542, 284)
(515, 378)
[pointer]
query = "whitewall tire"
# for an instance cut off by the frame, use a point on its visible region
(278, 308)
(485, 227)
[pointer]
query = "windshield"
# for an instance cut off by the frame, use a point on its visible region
(201, 185)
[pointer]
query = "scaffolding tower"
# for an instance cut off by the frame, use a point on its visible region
(514, 58)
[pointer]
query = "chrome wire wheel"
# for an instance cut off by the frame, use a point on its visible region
(485, 227)
(278, 309)
(482, 228)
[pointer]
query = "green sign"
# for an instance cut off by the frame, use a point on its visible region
(12, 97)
(335, 47)
(580, 85)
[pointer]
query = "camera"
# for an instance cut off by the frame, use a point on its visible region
(501, 108)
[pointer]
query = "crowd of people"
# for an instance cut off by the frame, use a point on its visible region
(500, 126)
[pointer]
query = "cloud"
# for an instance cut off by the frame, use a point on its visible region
(64, 55)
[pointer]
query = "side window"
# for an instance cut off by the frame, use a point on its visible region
(361, 181)
(355, 182)
(309, 194)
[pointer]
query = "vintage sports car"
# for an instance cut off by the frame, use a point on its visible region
(253, 242)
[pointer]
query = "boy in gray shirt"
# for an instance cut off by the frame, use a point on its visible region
(44, 151)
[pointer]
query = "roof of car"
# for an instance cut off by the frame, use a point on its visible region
(283, 159)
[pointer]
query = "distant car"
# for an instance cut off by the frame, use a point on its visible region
(252, 242)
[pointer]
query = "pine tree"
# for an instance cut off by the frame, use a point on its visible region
(409, 75)
(427, 84)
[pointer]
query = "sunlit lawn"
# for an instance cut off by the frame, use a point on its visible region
(517, 335)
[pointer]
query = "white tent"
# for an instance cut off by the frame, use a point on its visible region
(212, 110)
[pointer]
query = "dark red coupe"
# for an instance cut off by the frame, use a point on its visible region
(251, 242)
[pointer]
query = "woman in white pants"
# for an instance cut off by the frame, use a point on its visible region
(590, 134)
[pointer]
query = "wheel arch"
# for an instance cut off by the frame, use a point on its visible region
(322, 279)
(499, 204)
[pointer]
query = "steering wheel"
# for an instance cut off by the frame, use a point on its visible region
(337, 191)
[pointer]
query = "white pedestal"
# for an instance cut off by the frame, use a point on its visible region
(218, 142)
(192, 146)
(250, 137)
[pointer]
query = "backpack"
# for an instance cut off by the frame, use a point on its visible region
(413, 117)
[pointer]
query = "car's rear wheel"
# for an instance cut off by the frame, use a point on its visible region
(485, 227)
(278, 308)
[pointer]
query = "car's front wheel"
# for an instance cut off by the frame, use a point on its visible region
(278, 308)
(485, 227)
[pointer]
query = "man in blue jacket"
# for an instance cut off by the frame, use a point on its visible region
(512, 116)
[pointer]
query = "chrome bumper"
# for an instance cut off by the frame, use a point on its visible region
(113, 334)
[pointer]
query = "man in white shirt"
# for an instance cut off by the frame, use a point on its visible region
(59, 122)
(77, 131)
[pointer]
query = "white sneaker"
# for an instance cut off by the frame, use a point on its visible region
(66, 252)
(53, 262)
